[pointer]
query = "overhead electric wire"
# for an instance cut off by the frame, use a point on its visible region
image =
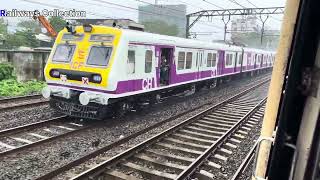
(191, 4)
(258, 7)
(212, 4)
(55, 6)
(160, 6)
(235, 2)
(135, 9)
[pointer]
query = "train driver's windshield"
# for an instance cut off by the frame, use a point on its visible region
(63, 53)
(99, 56)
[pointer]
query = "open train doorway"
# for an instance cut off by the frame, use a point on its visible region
(166, 56)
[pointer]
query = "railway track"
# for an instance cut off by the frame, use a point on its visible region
(83, 159)
(22, 137)
(21, 102)
(174, 153)
(216, 164)
(242, 170)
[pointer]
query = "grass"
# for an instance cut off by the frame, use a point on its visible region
(11, 87)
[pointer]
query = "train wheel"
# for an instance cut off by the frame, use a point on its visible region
(213, 84)
(193, 89)
(122, 109)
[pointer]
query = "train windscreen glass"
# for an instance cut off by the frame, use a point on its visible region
(63, 53)
(99, 56)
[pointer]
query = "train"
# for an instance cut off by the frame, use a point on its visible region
(95, 71)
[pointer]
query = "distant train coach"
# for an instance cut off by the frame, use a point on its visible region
(97, 71)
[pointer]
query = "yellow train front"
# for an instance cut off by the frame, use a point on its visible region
(80, 63)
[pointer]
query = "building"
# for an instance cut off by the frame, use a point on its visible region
(245, 24)
(171, 14)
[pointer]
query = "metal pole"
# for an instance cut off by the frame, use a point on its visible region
(262, 28)
(187, 26)
(225, 27)
(276, 84)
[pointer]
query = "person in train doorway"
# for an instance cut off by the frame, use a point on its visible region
(164, 71)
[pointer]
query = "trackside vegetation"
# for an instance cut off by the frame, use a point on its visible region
(9, 86)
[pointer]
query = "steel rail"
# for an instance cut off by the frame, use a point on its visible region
(29, 126)
(42, 141)
(15, 102)
(202, 158)
(93, 172)
(95, 153)
(245, 163)
(2, 100)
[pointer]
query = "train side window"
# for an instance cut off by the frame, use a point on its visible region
(227, 59)
(131, 61)
(214, 59)
(209, 60)
(240, 59)
(231, 59)
(181, 60)
(148, 61)
(189, 60)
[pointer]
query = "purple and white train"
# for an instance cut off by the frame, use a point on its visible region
(102, 69)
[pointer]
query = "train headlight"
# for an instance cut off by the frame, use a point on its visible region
(96, 78)
(87, 28)
(55, 73)
(46, 92)
(84, 98)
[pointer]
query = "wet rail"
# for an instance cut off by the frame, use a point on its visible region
(125, 139)
(16, 139)
(176, 152)
(22, 102)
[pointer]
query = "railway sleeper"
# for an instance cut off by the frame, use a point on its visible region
(213, 128)
(178, 149)
(193, 139)
(177, 158)
(147, 172)
(205, 131)
(224, 121)
(212, 123)
(117, 175)
(231, 119)
(200, 135)
(159, 165)
(186, 144)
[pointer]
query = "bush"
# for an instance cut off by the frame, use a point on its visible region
(6, 71)
(11, 87)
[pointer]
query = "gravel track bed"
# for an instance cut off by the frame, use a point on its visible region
(238, 155)
(25, 116)
(37, 161)
(247, 172)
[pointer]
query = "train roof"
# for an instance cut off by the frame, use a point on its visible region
(139, 36)
(157, 39)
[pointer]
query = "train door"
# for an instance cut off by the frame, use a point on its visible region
(236, 62)
(165, 57)
(199, 62)
(220, 65)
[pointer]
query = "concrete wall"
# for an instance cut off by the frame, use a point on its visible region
(28, 64)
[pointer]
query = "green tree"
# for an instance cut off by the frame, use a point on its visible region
(161, 27)
(22, 38)
(30, 25)
(3, 27)
(58, 23)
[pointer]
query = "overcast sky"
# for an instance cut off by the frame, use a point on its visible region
(102, 9)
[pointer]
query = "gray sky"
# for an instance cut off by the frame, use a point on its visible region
(96, 9)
